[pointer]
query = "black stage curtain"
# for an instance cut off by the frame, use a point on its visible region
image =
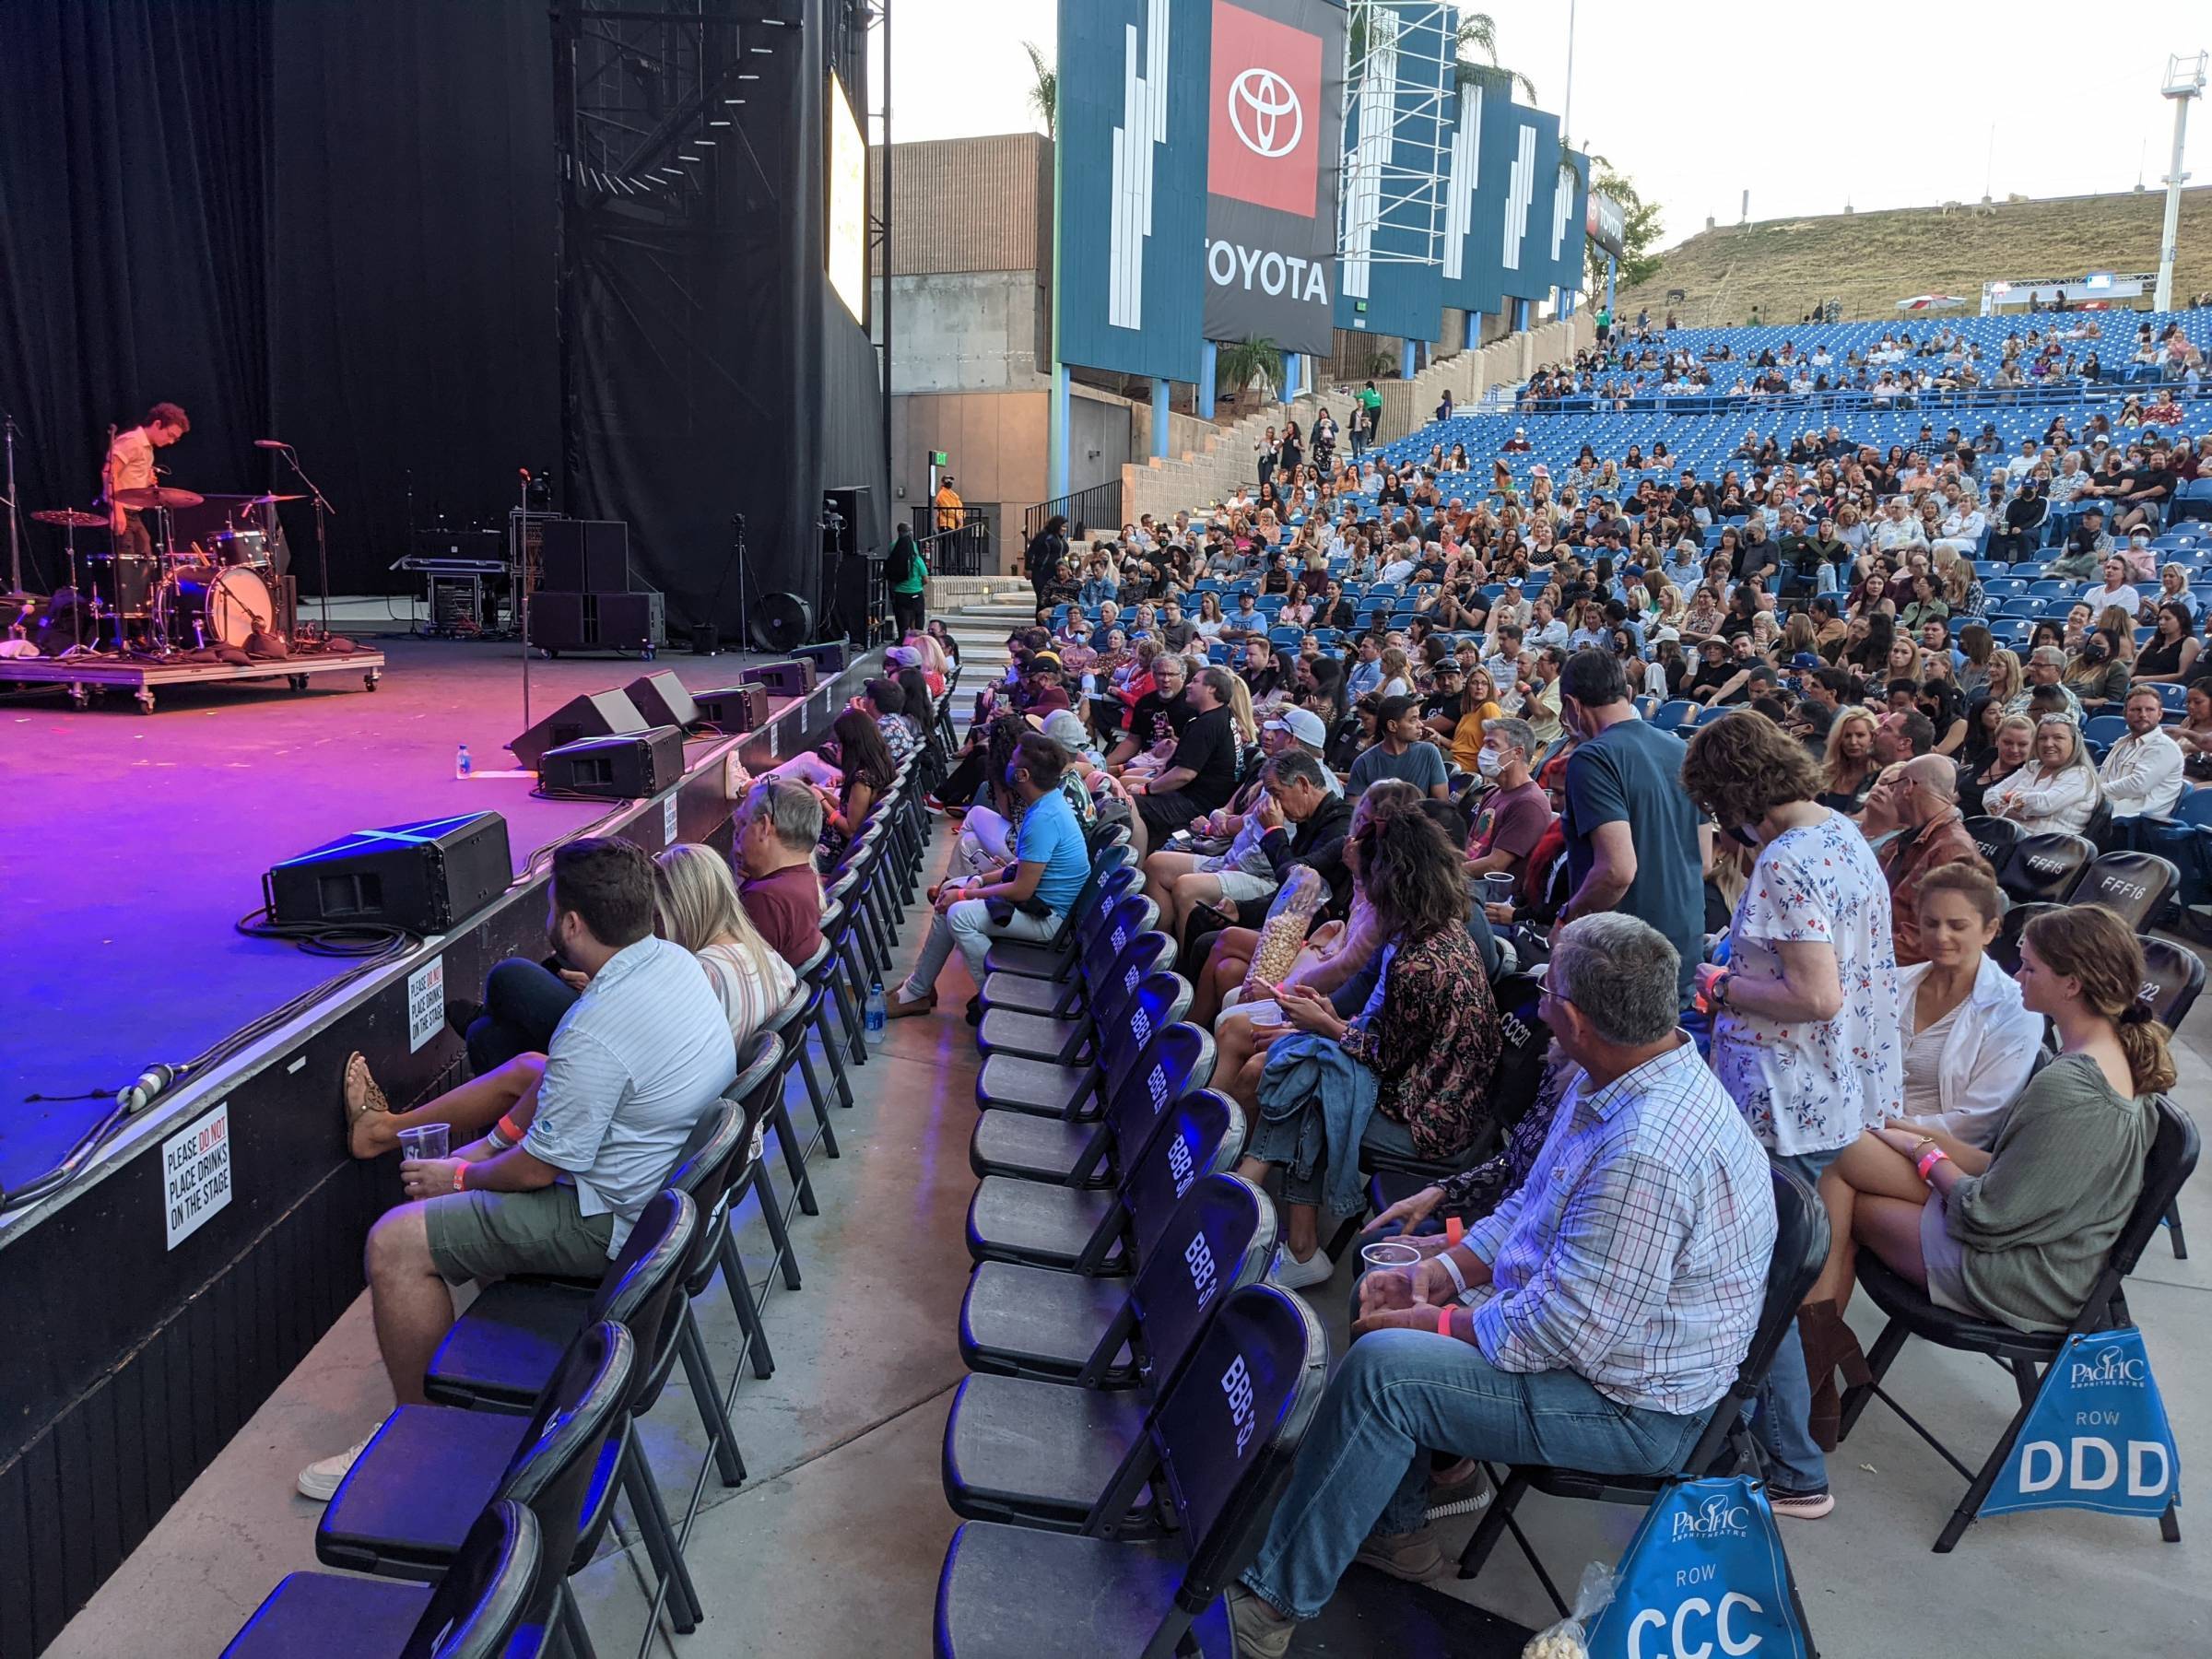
(135, 155)
(413, 304)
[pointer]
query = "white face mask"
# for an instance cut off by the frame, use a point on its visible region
(1488, 763)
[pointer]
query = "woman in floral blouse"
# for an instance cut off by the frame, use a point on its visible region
(1428, 1033)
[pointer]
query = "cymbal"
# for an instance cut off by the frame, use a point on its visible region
(71, 518)
(162, 495)
(263, 501)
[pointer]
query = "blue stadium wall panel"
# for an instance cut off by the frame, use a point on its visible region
(1130, 155)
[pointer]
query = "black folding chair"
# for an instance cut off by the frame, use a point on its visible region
(390, 1519)
(2174, 978)
(1094, 1153)
(2133, 885)
(1037, 1452)
(1018, 1320)
(2026, 1354)
(1090, 1231)
(1995, 837)
(1055, 958)
(1726, 1444)
(1220, 1449)
(2044, 868)
(1107, 978)
(1011, 1083)
(480, 1609)
(1061, 998)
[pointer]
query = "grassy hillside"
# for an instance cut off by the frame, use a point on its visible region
(1870, 261)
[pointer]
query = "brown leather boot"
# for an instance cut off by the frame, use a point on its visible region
(1830, 1347)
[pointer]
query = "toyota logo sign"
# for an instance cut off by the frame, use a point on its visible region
(1265, 109)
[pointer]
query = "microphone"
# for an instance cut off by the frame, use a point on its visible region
(270, 443)
(151, 1082)
(525, 473)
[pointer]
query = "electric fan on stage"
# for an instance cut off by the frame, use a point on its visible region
(780, 623)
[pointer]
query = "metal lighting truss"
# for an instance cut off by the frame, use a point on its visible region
(1399, 75)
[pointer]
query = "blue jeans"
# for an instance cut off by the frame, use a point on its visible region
(1782, 1418)
(1401, 1393)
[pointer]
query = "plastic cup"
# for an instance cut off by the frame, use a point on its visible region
(1498, 887)
(1389, 1255)
(426, 1140)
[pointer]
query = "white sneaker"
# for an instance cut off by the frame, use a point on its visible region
(319, 1480)
(1290, 1273)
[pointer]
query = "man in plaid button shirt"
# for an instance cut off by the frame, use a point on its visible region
(1591, 1322)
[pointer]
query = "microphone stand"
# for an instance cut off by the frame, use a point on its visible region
(321, 541)
(522, 565)
(15, 532)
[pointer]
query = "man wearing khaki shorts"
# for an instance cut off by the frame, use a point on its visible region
(554, 1187)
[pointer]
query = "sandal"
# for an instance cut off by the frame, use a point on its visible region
(363, 1096)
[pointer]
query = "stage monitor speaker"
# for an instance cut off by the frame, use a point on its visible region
(585, 556)
(595, 714)
(598, 622)
(734, 709)
(793, 679)
(614, 768)
(424, 876)
(662, 699)
(829, 659)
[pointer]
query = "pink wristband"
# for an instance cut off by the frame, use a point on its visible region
(1930, 1158)
(1443, 1321)
(460, 1176)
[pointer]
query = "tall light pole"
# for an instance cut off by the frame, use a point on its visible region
(2184, 80)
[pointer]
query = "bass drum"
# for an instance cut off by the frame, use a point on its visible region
(226, 608)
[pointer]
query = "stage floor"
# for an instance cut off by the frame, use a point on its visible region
(130, 845)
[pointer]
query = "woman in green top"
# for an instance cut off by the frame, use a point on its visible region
(2018, 1233)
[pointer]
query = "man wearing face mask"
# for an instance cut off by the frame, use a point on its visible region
(1051, 864)
(1511, 817)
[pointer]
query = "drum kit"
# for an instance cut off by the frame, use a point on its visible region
(219, 593)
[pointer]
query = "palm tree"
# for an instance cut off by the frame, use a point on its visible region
(1044, 95)
(1479, 34)
(1239, 365)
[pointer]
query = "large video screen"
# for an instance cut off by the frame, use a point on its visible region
(848, 215)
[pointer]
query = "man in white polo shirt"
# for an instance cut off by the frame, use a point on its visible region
(644, 1051)
(2142, 771)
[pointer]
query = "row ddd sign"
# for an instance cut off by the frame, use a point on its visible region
(2097, 1437)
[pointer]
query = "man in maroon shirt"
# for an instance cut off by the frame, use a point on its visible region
(1511, 817)
(777, 829)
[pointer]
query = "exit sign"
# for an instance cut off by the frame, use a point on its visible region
(940, 458)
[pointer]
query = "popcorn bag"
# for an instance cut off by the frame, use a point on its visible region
(1568, 1639)
(1284, 931)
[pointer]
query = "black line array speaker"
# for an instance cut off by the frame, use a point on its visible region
(424, 876)
(829, 658)
(585, 556)
(734, 708)
(614, 768)
(598, 622)
(793, 679)
(662, 700)
(595, 714)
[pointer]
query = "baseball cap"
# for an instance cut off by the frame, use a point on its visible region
(1664, 632)
(1044, 659)
(1301, 723)
(1806, 659)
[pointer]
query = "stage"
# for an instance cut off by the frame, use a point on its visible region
(133, 843)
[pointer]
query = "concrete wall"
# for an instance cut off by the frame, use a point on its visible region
(968, 331)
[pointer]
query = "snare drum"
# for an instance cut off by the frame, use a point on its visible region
(227, 607)
(242, 549)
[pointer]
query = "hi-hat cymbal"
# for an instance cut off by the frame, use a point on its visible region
(71, 518)
(162, 495)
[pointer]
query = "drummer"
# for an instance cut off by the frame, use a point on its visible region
(130, 466)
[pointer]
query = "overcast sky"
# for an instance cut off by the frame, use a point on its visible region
(1883, 105)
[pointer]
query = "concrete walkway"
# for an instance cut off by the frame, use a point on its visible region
(832, 1547)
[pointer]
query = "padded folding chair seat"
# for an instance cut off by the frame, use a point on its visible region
(1035, 1455)
(501, 1352)
(1037, 1087)
(1029, 958)
(1018, 1319)
(986, 1611)
(1910, 1307)
(376, 1616)
(411, 1527)
(1018, 993)
(1025, 1147)
(1032, 1036)
(1025, 1221)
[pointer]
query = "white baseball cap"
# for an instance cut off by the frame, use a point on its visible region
(1301, 723)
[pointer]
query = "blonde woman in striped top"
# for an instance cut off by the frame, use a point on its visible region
(699, 908)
